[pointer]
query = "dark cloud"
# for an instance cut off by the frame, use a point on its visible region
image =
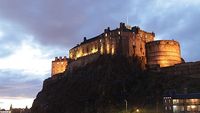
(65, 22)
(10, 38)
(16, 84)
(177, 22)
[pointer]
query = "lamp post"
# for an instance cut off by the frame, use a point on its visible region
(126, 102)
(137, 110)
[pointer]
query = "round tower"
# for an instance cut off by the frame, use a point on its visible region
(163, 53)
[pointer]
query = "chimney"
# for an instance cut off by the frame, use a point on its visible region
(60, 58)
(84, 39)
(135, 29)
(122, 25)
(65, 57)
(108, 29)
(105, 30)
(56, 58)
(153, 34)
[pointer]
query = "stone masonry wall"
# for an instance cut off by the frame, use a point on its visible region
(191, 69)
(82, 61)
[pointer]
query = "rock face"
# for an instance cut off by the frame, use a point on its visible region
(103, 87)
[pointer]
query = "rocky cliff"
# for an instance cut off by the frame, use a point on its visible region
(106, 86)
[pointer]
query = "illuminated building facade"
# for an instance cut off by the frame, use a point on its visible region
(59, 65)
(182, 103)
(125, 40)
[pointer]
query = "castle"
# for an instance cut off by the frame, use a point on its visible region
(125, 40)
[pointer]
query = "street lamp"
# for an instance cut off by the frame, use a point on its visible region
(137, 110)
(126, 102)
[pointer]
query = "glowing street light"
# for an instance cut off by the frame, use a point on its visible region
(137, 110)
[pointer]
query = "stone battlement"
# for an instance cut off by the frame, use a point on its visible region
(59, 65)
(60, 58)
(163, 42)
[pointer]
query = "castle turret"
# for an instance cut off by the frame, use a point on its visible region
(59, 65)
(163, 53)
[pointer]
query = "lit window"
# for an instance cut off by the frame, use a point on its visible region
(198, 107)
(182, 108)
(193, 106)
(188, 108)
(119, 32)
(106, 34)
(193, 100)
(175, 101)
(174, 109)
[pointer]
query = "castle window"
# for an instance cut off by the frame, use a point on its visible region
(119, 32)
(96, 46)
(106, 34)
(87, 50)
(141, 49)
(100, 40)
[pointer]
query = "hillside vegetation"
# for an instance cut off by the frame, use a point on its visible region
(105, 85)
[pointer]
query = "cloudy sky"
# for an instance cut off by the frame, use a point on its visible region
(33, 32)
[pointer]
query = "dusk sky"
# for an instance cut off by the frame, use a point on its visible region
(33, 32)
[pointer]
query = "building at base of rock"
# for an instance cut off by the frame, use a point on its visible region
(182, 103)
